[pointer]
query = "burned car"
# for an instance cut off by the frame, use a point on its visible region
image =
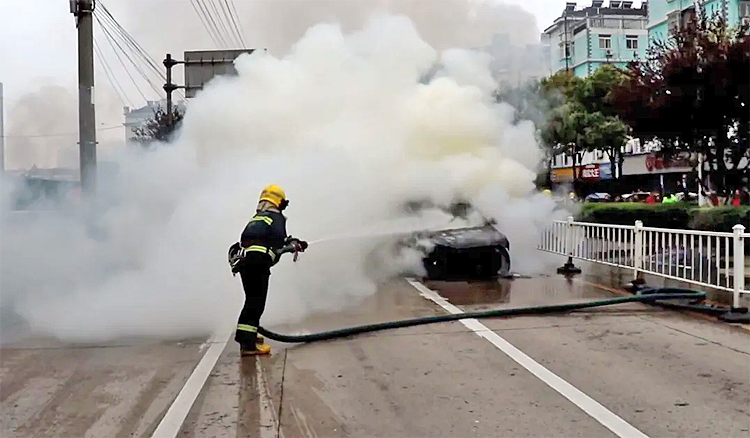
(478, 252)
(465, 253)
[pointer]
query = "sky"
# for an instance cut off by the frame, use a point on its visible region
(38, 56)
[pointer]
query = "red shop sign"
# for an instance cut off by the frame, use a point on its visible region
(590, 171)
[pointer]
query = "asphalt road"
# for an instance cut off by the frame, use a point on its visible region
(632, 369)
(626, 371)
(116, 390)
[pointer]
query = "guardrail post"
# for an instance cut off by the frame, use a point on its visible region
(739, 263)
(638, 251)
(569, 237)
(569, 268)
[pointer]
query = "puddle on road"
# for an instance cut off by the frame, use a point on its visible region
(518, 292)
(465, 293)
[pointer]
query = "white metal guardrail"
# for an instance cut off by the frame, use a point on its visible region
(715, 260)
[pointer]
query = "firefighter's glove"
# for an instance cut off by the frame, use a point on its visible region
(298, 245)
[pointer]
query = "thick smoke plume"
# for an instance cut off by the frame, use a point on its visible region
(42, 127)
(277, 26)
(346, 123)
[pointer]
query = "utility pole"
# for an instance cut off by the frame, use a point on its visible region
(83, 11)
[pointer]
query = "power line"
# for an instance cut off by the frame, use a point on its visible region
(211, 20)
(70, 134)
(204, 22)
(129, 40)
(113, 43)
(136, 50)
(238, 24)
(110, 75)
(231, 23)
(116, 31)
(220, 21)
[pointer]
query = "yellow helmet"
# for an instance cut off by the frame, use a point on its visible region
(547, 192)
(275, 195)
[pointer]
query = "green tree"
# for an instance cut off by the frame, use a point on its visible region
(603, 129)
(692, 94)
(581, 117)
(573, 115)
(159, 128)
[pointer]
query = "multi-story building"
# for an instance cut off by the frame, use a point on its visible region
(641, 168)
(665, 16)
(581, 40)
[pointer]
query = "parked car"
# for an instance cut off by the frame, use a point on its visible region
(598, 197)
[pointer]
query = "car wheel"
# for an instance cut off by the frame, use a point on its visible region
(504, 265)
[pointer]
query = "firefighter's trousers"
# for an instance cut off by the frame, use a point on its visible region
(255, 272)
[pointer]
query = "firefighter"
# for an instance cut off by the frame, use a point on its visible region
(261, 245)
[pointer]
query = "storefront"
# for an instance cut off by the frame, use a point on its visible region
(648, 172)
(562, 176)
(591, 178)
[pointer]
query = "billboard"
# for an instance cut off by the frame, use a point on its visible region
(202, 65)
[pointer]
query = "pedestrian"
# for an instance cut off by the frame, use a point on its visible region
(671, 199)
(652, 198)
(261, 245)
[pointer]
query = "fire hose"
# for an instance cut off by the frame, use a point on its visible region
(656, 296)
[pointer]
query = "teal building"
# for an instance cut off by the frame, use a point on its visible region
(667, 15)
(583, 39)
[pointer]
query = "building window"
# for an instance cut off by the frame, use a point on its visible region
(673, 21)
(631, 42)
(569, 53)
(633, 24)
(680, 19)
(745, 10)
(605, 41)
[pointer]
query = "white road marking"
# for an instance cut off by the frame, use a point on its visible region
(170, 425)
(590, 406)
(268, 423)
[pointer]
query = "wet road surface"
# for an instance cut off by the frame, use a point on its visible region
(624, 370)
(638, 369)
(48, 389)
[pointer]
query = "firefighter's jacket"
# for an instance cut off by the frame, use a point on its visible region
(265, 233)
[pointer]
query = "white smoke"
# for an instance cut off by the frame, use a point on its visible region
(346, 125)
